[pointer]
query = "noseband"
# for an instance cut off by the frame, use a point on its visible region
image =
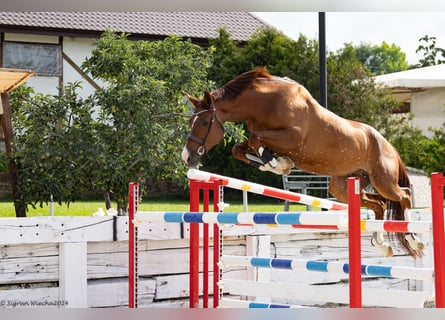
(203, 148)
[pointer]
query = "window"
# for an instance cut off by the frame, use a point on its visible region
(44, 59)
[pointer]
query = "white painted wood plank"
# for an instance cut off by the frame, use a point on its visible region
(57, 229)
(177, 286)
(73, 274)
(29, 250)
(77, 229)
(29, 269)
(114, 293)
(326, 293)
(103, 293)
(34, 266)
(164, 244)
(151, 262)
(28, 298)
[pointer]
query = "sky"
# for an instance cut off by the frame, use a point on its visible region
(401, 28)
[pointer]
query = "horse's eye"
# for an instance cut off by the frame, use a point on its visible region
(204, 122)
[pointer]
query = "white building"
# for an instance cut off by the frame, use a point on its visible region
(423, 91)
(54, 44)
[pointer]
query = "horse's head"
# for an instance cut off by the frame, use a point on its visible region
(206, 130)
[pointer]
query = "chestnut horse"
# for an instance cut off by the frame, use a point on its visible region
(289, 128)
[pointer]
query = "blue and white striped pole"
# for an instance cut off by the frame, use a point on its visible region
(328, 266)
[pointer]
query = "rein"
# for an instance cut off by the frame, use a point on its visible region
(203, 148)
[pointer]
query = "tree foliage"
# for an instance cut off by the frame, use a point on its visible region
(432, 55)
(130, 130)
(51, 148)
(142, 109)
(352, 92)
(381, 59)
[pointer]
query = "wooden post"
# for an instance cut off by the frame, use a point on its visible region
(6, 120)
(73, 274)
(9, 80)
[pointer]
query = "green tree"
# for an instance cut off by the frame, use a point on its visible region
(432, 55)
(142, 110)
(352, 92)
(433, 151)
(131, 130)
(225, 58)
(381, 59)
(51, 147)
(268, 48)
(420, 151)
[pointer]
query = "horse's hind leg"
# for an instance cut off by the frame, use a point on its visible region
(414, 241)
(338, 187)
(389, 188)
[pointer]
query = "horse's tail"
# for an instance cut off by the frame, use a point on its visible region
(395, 211)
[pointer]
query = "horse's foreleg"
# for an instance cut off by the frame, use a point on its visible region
(243, 152)
(265, 143)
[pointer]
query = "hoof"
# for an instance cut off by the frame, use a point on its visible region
(414, 242)
(285, 164)
(268, 167)
(383, 248)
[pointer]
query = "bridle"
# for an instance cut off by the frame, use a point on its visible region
(203, 148)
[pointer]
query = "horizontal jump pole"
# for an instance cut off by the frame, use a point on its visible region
(325, 293)
(266, 191)
(335, 220)
(396, 226)
(232, 303)
(328, 267)
(325, 218)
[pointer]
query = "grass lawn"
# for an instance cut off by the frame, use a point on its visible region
(87, 208)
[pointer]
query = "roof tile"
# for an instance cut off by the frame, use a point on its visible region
(241, 25)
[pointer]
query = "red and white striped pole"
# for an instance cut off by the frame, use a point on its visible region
(276, 193)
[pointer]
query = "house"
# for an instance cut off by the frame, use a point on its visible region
(423, 92)
(54, 44)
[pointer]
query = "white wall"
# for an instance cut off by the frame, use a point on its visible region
(429, 109)
(78, 49)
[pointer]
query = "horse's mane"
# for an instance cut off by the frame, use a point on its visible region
(235, 87)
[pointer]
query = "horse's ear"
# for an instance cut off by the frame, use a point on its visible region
(208, 100)
(194, 101)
